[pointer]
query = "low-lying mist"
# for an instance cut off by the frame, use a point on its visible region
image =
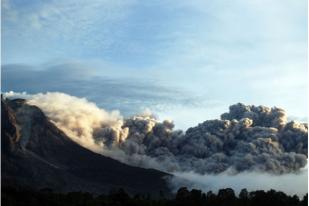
(292, 183)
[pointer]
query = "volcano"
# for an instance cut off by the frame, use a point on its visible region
(36, 154)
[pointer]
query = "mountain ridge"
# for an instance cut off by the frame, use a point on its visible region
(35, 153)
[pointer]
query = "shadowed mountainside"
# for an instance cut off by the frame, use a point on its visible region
(36, 154)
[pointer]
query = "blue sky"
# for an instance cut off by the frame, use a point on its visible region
(185, 60)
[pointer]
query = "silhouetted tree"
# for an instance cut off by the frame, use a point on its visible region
(196, 197)
(304, 201)
(243, 197)
(244, 194)
(210, 198)
(225, 197)
(182, 196)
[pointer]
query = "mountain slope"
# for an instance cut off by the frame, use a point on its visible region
(35, 153)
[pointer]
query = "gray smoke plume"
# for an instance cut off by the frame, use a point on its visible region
(235, 143)
(247, 138)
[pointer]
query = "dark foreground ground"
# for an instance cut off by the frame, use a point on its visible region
(184, 197)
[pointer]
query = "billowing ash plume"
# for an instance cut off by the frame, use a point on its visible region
(247, 138)
(80, 119)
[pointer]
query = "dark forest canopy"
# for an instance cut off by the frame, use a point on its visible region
(183, 197)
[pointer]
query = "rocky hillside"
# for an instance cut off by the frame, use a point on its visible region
(36, 154)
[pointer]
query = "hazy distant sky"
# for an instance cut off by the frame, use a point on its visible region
(186, 60)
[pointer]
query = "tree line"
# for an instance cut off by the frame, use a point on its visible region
(183, 197)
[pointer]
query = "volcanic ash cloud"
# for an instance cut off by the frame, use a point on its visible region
(247, 138)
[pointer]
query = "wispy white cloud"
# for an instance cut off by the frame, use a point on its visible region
(223, 51)
(249, 51)
(58, 27)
